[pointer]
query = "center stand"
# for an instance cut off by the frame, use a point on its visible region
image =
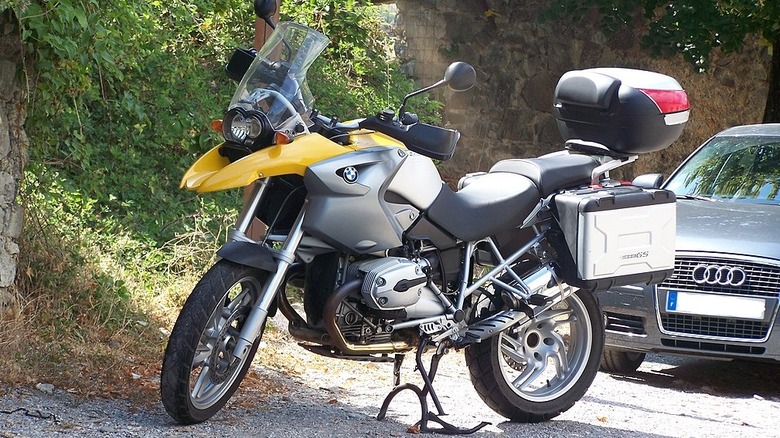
(422, 393)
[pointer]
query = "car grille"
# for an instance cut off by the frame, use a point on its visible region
(630, 324)
(719, 327)
(763, 280)
(713, 346)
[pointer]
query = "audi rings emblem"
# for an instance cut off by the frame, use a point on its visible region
(719, 275)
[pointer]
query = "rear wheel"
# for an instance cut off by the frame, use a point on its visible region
(533, 372)
(621, 361)
(199, 371)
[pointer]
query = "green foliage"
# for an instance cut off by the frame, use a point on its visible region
(693, 28)
(358, 74)
(120, 94)
(613, 14)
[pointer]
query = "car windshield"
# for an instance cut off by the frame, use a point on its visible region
(735, 169)
(275, 83)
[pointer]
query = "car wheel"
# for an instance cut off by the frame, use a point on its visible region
(621, 361)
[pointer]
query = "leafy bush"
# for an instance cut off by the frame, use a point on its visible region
(120, 95)
(358, 74)
(119, 99)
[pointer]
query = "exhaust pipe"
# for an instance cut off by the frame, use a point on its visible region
(541, 282)
(337, 339)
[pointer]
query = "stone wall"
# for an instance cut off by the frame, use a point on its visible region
(13, 143)
(519, 60)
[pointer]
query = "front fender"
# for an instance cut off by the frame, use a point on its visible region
(249, 254)
(213, 172)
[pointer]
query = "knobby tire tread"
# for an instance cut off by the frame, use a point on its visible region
(184, 338)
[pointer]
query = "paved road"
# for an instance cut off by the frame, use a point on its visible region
(668, 397)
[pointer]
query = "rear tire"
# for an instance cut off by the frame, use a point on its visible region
(621, 361)
(536, 371)
(199, 374)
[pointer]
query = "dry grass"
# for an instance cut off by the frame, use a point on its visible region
(96, 325)
(76, 347)
(82, 323)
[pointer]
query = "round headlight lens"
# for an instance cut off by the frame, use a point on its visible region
(240, 127)
(248, 128)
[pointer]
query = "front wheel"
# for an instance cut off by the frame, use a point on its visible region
(534, 372)
(199, 372)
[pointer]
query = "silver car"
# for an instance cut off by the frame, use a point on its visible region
(722, 300)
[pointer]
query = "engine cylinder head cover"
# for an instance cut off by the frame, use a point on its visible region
(393, 283)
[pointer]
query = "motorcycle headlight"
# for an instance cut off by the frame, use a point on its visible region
(248, 128)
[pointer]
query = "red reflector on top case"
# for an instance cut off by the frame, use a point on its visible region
(668, 101)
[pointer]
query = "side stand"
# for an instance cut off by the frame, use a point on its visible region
(422, 393)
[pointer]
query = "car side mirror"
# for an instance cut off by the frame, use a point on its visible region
(649, 181)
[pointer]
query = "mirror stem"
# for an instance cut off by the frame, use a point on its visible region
(402, 110)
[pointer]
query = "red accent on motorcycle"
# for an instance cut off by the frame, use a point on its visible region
(216, 125)
(668, 101)
(629, 111)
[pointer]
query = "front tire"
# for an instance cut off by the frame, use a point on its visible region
(536, 371)
(199, 372)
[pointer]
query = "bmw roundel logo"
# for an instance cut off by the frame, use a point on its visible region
(350, 174)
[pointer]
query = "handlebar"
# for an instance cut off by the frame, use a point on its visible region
(333, 123)
(431, 141)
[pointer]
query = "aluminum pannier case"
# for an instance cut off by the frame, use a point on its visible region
(616, 236)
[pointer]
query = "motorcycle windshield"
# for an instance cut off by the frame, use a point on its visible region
(275, 83)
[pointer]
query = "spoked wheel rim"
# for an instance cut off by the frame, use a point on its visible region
(214, 368)
(543, 359)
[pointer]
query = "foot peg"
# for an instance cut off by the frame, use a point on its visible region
(539, 300)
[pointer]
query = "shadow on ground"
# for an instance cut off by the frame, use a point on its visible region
(734, 378)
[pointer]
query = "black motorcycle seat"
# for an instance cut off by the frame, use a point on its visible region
(490, 203)
(552, 171)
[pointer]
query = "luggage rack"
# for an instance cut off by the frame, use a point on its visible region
(593, 148)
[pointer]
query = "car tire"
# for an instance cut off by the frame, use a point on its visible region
(621, 361)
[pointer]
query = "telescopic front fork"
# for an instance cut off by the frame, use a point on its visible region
(284, 258)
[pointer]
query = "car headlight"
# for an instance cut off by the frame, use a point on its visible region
(248, 128)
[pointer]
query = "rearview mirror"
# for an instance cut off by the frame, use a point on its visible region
(460, 76)
(265, 9)
(649, 181)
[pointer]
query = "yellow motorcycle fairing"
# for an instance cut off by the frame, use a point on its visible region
(212, 172)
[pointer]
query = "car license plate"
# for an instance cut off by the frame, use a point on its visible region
(715, 305)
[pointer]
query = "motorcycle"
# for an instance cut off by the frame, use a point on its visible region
(393, 261)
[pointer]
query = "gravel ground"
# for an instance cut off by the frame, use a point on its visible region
(669, 397)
